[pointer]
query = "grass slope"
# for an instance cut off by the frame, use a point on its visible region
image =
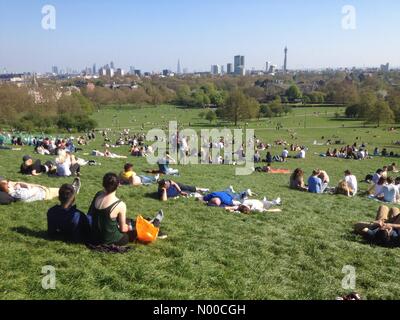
(209, 254)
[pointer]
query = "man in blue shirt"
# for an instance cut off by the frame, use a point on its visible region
(65, 221)
(314, 183)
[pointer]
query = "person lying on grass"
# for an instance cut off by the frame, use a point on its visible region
(129, 177)
(65, 221)
(34, 168)
(385, 230)
(27, 192)
(269, 169)
(226, 198)
(253, 205)
(110, 225)
(171, 189)
(296, 181)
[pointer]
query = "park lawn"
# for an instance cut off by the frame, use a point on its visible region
(210, 254)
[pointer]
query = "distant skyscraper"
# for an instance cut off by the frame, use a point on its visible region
(229, 68)
(112, 65)
(385, 67)
(120, 72)
(54, 69)
(239, 66)
(285, 62)
(178, 69)
(215, 69)
(94, 69)
(267, 65)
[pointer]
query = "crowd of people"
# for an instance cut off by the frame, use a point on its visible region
(107, 223)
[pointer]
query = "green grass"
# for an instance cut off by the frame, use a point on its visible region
(210, 254)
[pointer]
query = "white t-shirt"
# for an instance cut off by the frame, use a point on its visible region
(352, 183)
(254, 205)
(285, 154)
(302, 154)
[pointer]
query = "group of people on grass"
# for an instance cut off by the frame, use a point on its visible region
(319, 180)
(384, 187)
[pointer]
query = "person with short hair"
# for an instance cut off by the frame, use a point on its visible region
(253, 205)
(26, 192)
(171, 189)
(314, 183)
(393, 168)
(34, 168)
(377, 176)
(226, 198)
(65, 221)
(390, 193)
(351, 181)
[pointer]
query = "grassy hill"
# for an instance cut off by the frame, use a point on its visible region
(211, 254)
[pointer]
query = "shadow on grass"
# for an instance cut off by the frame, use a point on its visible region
(152, 195)
(31, 233)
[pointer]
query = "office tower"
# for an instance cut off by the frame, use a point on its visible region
(229, 68)
(285, 62)
(54, 70)
(222, 69)
(110, 72)
(239, 65)
(94, 71)
(267, 66)
(178, 69)
(272, 68)
(215, 69)
(120, 72)
(385, 67)
(138, 72)
(112, 65)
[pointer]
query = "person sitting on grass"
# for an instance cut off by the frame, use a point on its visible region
(301, 154)
(252, 205)
(351, 181)
(26, 192)
(323, 175)
(110, 225)
(343, 189)
(163, 165)
(385, 230)
(171, 189)
(314, 183)
(377, 175)
(393, 168)
(390, 192)
(297, 180)
(67, 164)
(65, 221)
(377, 189)
(129, 177)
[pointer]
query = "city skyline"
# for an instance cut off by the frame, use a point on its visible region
(205, 34)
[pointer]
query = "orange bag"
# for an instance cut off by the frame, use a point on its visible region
(146, 231)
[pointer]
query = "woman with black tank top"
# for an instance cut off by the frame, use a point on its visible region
(109, 221)
(109, 215)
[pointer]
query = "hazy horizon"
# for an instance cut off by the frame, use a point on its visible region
(153, 35)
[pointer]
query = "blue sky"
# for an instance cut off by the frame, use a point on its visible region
(153, 34)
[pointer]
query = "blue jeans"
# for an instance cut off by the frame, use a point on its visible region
(147, 179)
